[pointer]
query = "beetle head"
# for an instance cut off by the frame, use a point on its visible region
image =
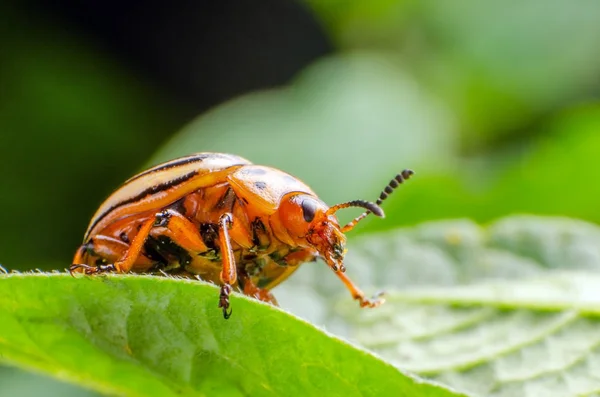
(311, 223)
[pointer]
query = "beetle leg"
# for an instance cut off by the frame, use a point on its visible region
(181, 231)
(78, 261)
(358, 294)
(108, 248)
(79, 254)
(87, 269)
(125, 264)
(229, 273)
(224, 300)
(178, 227)
(250, 289)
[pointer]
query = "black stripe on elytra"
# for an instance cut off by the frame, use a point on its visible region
(175, 163)
(147, 192)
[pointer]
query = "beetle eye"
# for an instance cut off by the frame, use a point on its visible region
(309, 208)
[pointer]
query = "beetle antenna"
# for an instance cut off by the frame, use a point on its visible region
(369, 206)
(394, 183)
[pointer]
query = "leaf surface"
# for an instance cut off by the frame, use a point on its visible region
(154, 336)
(511, 309)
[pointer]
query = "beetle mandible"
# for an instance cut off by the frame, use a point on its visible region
(221, 218)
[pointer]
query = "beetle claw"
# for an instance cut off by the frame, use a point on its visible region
(377, 300)
(105, 268)
(89, 270)
(224, 300)
(74, 267)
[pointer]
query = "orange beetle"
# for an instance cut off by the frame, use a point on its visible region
(217, 216)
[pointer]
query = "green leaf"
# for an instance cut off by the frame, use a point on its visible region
(512, 309)
(153, 336)
(532, 338)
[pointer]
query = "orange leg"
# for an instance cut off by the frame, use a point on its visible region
(105, 247)
(135, 248)
(358, 294)
(126, 262)
(229, 272)
(185, 234)
(79, 254)
(181, 229)
(250, 289)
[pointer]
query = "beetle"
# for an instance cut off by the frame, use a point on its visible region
(219, 217)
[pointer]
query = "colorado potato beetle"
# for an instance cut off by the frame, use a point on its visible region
(219, 217)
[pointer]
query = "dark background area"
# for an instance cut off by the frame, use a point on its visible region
(199, 53)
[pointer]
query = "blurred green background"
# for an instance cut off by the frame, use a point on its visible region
(495, 105)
